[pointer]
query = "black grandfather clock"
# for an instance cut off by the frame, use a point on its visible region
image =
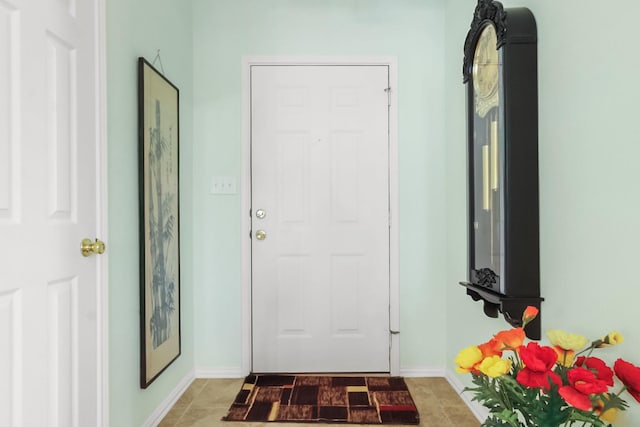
(500, 71)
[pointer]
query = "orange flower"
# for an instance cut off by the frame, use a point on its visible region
(491, 348)
(510, 339)
(529, 314)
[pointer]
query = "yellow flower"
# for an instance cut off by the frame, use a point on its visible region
(612, 338)
(495, 366)
(566, 341)
(468, 358)
(565, 357)
(609, 415)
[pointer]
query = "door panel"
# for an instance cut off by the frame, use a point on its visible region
(9, 113)
(320, 172)
(48, 165)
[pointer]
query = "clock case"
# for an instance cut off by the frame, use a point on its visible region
(520, 285)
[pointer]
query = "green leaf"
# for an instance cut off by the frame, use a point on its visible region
(496, 422)
(552, 410)
(613, 401)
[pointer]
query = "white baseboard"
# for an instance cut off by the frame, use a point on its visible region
(422, 371)
(478, 410)
(203, 372)
(166, 405)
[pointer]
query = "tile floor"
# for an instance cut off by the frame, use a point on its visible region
(206, 401)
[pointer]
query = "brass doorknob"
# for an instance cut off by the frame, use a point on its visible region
(87, 247)
(261, 235)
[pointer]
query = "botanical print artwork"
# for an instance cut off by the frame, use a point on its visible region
(162, 215)
(160, 237)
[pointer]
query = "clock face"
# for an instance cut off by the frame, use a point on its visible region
(485, 63)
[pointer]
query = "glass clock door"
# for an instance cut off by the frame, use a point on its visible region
(488, 154)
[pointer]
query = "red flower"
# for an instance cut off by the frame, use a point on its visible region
(574, 398)
(596, 365)
(538, 362)
(585, 381)
(582, 383)
(629, 374)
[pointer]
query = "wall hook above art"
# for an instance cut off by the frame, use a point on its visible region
(158, 60)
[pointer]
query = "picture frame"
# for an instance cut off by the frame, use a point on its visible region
(158, 156)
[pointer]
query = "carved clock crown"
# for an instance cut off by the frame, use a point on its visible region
(486, 10)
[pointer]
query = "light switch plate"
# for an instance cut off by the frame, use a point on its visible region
(224, 185)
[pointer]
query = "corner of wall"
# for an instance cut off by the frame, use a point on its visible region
(478, 410)
(205, 372)
(167, 403)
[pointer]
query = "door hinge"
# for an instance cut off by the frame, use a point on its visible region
(394, 332)
(388, 90)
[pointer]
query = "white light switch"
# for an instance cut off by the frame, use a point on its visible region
(224, 185)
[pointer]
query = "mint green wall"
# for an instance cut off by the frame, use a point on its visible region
(136, 29)
(589, 209)
(412, 30)
(588, 151)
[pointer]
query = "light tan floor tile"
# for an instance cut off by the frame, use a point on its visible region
(206, 401)
(218, 392)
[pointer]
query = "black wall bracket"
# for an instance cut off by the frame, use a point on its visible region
(510, 307)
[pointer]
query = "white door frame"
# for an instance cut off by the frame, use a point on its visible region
(102, 175)
(394, 276)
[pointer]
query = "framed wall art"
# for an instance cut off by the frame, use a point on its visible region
(158, 132)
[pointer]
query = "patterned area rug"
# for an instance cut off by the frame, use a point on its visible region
(324, 399)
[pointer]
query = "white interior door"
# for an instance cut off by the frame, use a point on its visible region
(320, 218)
(49, 373)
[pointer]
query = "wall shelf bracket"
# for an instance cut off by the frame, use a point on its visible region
(511, 307)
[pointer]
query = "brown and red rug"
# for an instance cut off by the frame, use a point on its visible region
(324, 399)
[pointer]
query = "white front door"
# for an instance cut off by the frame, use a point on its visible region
(49, 292)
(320, 218)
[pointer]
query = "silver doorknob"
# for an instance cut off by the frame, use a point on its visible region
(260, 214)
(261, 235)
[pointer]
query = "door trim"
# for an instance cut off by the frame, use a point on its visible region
(245, 189)
(102, 198)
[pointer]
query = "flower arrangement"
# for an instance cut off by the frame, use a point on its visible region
(550, 386)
